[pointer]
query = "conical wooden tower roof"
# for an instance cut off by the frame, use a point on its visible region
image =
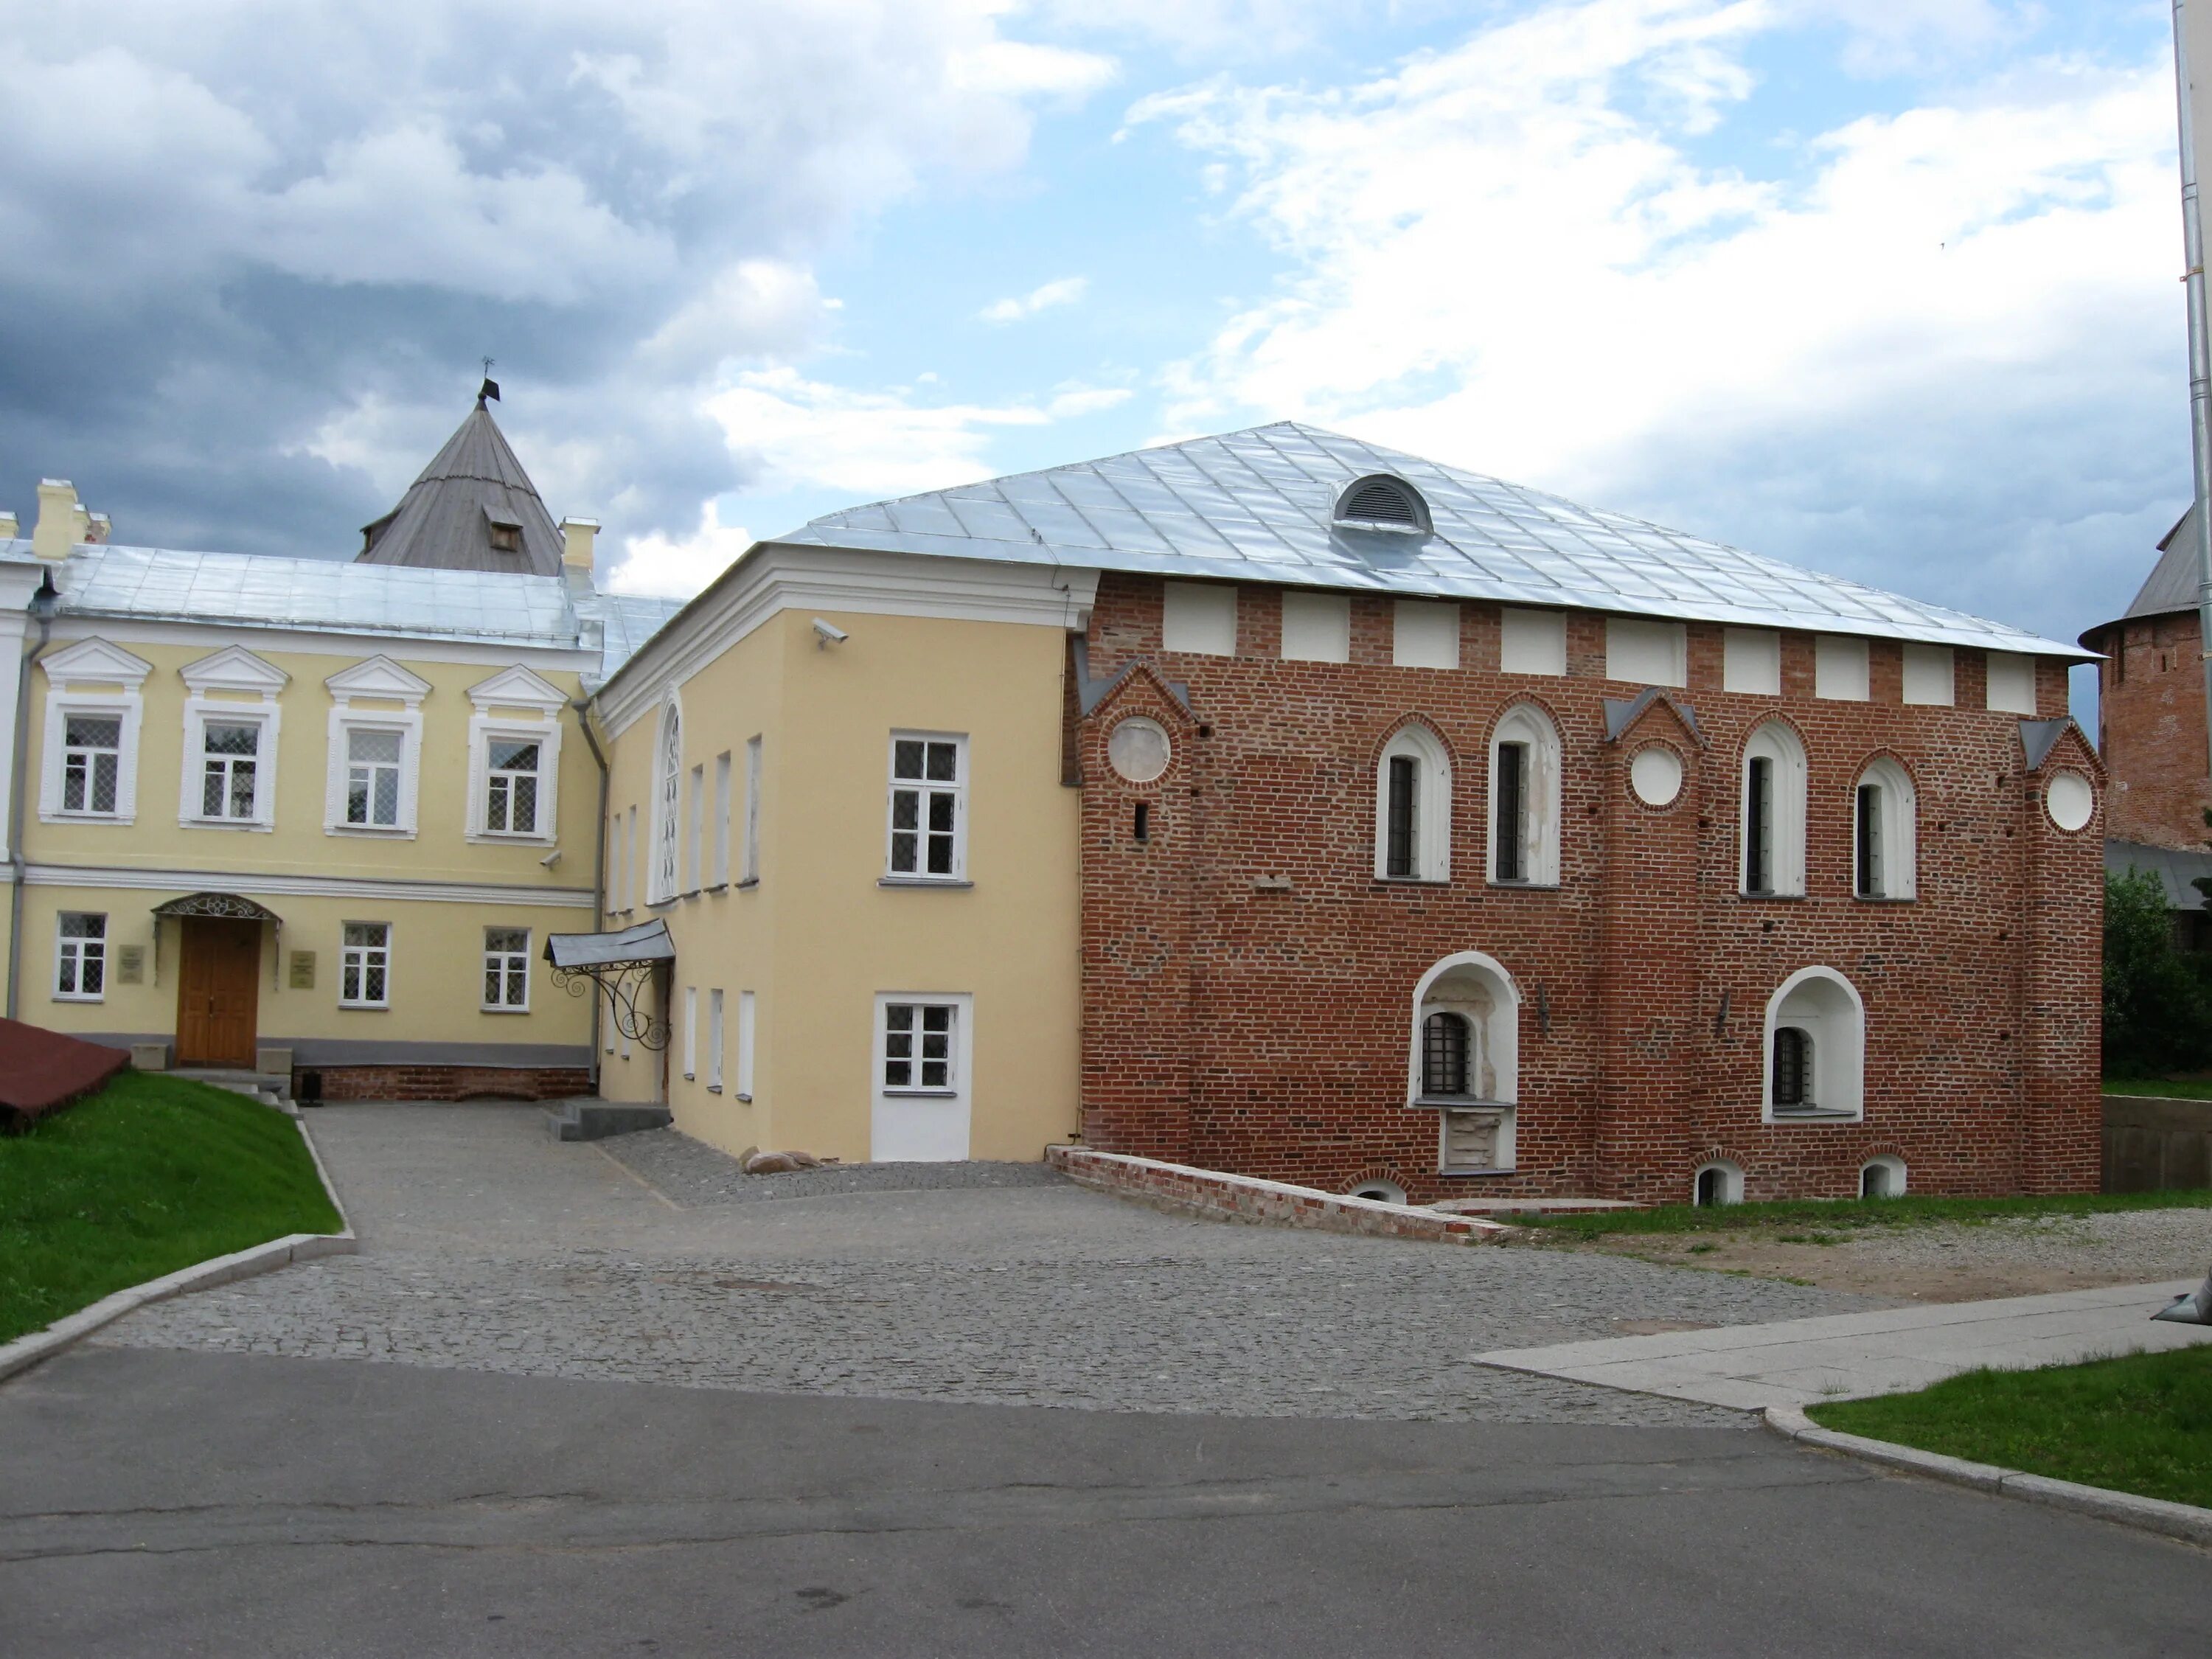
(473, 509)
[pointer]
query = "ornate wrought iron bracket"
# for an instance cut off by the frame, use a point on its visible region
(622, 965)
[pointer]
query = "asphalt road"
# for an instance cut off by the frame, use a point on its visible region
(169, 1503)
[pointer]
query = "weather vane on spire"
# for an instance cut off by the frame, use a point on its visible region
(490, 388)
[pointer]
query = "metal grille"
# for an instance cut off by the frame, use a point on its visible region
(1758, 826)
(1793, 1067)
(1402, 855)
(372, 778)
(1380, 500)
(507, 968)
(81, 969)
(1443, 1054)
(1512, 833)
(227, 786)
(510, 789)
(364, 965)
(1869, 840)
(92, 755)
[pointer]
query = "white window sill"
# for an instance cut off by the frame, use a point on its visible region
(716, 887)
(1886, 898)
(1456, 1103)
(84, 818)
(1770, 898)
(918, 1094)
(691, 1077)
(714, 1088)
(1412, 881)
(1811, 1115)
(1524, 886)
(78, 996)
(365, 1007)
(749, 882)
(502, 1008)
(923, 881)
(510, 838)
(261, 824)
(748, 1099)
(1461, 1175)
(373, 831)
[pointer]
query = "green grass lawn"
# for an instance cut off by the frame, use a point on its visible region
(1830, 1214)
(2169, 1088)
(150, 1175)
(2142, 1424)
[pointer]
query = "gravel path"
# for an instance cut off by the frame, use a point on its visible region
(693, 1173)
(487, 1246)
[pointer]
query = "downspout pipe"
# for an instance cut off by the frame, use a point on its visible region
(582, 706)
(43, 603)
(2200, 365)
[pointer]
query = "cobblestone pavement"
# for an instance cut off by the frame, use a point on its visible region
(487, 1245)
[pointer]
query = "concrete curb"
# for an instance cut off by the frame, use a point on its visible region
(26, 1352)
(1223, 1196)
(2183, 1521)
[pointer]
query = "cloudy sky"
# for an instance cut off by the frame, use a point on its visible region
(1885, 287)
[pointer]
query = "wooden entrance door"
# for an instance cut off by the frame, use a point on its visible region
(218, 992)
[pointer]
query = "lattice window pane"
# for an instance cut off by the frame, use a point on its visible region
(525, 804)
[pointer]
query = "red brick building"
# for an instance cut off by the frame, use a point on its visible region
(1445, 839)
(2150, 706)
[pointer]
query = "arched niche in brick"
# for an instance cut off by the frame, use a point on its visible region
(1476, 988)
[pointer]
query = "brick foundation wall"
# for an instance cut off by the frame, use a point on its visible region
(448, 1082)
(1248, 982)
(2150, 718)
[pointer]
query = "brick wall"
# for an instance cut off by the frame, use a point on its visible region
(2150, 714)
(449, 1082)
(1248, 982)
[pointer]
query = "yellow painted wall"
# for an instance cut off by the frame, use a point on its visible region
(820, 938)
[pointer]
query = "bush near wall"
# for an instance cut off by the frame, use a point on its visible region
(2156, 1001)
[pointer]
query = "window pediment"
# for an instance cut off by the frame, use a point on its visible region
(95, 662)
(518, 688)
(234, 668)
(379, 677)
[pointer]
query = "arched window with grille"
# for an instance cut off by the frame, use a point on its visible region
(1883, 856)
(1524, 799)
(1772, 838)
(1413, 808)
(1816, 1038)
(1444, 1046)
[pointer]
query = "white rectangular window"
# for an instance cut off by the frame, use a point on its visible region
(753, 809)
(2011, 683)
(511, 786)
(92, 763)
(365, 965)
(744, 1045)
(1317, 628)
(81, 958)
(1424, 635)
(507, 968)
(1928, 679)
(374, 757)
(691, 1031)
(918, 1047)
(1839, 668)
(722, 818)
(927, 807)
(714, 1039)
(1751, 661)
(1642, 652)
(629, 859)
(1532, 642)
(694, 819)
(230, 759)
(1199, 618)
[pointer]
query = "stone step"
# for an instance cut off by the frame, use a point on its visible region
(584, 1118)
(271, 1088)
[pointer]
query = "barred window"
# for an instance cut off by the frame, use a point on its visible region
(1444, 1047)
(231, 753)
(511, 787)
(373, 759)
(918, 1039)
(92, 762)
(507, 968)
(81, 966)
(1508, 776)
(1793, 1067)
(926, 806)
(365, 965)
(1403, 856)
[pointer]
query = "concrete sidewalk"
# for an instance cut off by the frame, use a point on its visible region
(1797, 1362)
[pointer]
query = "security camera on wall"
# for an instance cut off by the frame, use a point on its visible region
(829, 635)
(551, 859)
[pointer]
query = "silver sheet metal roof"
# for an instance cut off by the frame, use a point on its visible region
(2171, 583)
(2175, 872)
(1257, 504)
(444, 520)
(629, 619)
(648, 941)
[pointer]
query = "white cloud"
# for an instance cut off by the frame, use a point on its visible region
(1064, 292)
(1500, 255)
(679, 567)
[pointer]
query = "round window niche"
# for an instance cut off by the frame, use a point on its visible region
(1656, 775)
(2069, 800)
(1138, 750)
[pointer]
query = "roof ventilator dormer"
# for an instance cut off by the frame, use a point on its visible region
(506, 534)
(1382, 501)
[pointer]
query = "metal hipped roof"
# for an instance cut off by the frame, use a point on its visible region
(1259, 506)
(444, 521)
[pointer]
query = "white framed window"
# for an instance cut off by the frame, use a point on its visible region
(1815, 1048)
(365, 965)
(1532, 642)
(232, 724)
(1751, 661)
(922, 1046)
(1424, 634)
(1772, 820)
(1199, 618)
(690, 1031)
(230, 770)
(1316, 627)
(507, 970)
(83, 775)
(629, 859)
(928, 819)
(1929, 677)
(664, 864)
(515, 758)
(695, 817)
(1841, 670)
(2011, 689)
(1884, 814)
(1524, 799)
(81, 956)
(751, 865)
(745, 1045)
(375, 756)
(1641, 651)
(714, 1040)
(722, 819)
(1413, 808)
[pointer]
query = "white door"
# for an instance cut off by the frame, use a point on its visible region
(922, 1043)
